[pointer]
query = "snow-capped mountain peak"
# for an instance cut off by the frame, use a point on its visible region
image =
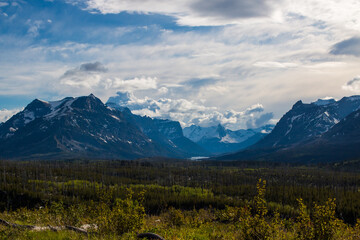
(196, 133)
(218, 139)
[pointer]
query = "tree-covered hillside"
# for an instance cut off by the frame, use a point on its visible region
(180, 199)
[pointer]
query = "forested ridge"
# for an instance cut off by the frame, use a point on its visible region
(174, 192)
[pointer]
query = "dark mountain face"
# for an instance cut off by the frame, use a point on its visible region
(74, 127)
(306, 121)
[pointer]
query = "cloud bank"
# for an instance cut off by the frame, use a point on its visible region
(97, 78)
(190, 112)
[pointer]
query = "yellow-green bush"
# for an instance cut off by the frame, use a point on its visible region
(256, 227)
(126, 215)
(174, 217)
(324, 220)
(304, 226)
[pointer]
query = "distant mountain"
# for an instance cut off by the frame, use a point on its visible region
(81, 127)
(320, 131)
(218, 140)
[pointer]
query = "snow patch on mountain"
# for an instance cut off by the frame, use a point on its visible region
(11, 129)
(55, 104)
(28, 116)
(296, 117)
(289, 129)
(60, 108)
(115, 117)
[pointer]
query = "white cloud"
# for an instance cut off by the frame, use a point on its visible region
(82, 80)
(274, 65)
(95, 81)
(142, 83)
(95, 78)
(341, 13)
(353, 85)
(34, 27)
(3, 4)
(163, 90)
(6, 114)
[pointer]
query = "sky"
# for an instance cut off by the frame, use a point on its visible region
(241, 63)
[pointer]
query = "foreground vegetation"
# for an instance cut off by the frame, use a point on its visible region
(179, 200)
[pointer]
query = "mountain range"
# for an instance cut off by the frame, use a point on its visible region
(85, 127)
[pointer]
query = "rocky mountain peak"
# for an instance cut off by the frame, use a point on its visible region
(37, 104)
(90, 103)
(298, 104)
